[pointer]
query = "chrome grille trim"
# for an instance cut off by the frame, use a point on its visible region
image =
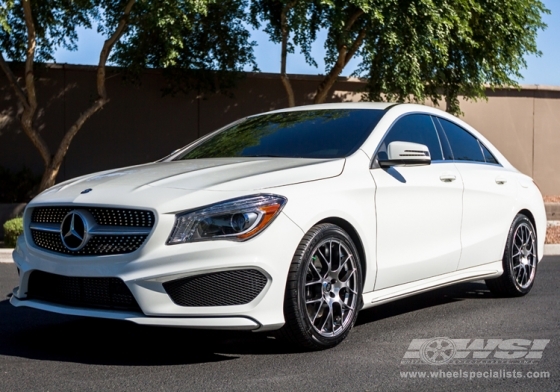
(50, 227)
(97, 230)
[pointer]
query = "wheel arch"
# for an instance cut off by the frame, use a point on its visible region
(353, 233)
(529, 216)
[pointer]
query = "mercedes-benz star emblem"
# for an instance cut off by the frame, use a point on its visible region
(74, 230)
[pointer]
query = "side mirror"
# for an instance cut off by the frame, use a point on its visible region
(406, 154)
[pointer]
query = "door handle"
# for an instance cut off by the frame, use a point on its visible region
(448, 177)
(501, 180)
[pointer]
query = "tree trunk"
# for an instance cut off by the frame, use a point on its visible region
(28, 97)
(447, 103)
(345, 54)
(283, 75)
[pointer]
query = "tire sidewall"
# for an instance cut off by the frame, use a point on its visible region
(329, 231)
(508, 260)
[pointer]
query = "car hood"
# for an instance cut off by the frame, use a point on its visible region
(219, 174)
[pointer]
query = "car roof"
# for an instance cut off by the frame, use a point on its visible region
(341, 105)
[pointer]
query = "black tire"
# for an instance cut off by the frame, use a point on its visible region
(520, 261)
(324, 289)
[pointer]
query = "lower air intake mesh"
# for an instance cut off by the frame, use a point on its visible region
(111, 293)
(224, 288)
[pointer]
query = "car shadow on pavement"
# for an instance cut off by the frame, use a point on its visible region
(34, 334)
(39, 335)
(438, 297)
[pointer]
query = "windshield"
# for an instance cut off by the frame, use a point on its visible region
(333, 133)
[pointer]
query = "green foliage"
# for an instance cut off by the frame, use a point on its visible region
(203, 45)
(12, 230)
(304, 19)
(463, 46)
(55, 23)
(200, 51)
(490, 51)
(415, 49)
(18, 187)
(409, 49)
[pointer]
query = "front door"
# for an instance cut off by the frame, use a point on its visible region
(418, 210)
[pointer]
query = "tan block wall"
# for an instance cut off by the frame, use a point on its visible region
(507, 121)
(140, 125)
(546, 168)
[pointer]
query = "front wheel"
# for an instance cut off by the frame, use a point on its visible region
(324, 288)
(519, 261)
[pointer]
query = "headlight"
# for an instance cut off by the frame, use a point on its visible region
(235, 219)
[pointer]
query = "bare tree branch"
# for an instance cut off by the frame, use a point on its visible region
(355, 46)
(353, 18)
(108, 46)
(30, 107)
(344, 57)
(30, 56)
(50, 175)
(13, 82)
(283, 74)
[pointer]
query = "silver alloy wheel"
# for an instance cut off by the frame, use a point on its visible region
(524, 257)
(331, 288)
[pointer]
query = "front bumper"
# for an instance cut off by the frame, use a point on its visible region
(145, 270)
(230, 323)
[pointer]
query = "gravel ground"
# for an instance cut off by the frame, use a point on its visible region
(553, 234)
(551, 199)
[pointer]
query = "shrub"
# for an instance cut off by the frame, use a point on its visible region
(12, 230)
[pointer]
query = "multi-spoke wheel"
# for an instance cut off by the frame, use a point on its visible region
(520, 260)
(324, 288)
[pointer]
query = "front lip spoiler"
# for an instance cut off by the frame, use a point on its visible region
(218, 323)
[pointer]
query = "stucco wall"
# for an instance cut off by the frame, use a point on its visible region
(140, 125)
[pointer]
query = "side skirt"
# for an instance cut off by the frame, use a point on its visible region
(486, 271)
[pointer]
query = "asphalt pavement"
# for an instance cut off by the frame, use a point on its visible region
(44, 351)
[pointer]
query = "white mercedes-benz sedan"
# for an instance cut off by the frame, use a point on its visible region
(292, 220)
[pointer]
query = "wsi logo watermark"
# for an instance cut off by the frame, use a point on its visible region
(445, 351)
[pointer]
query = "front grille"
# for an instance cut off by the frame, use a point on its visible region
(45, 231)
(103, 216)
(107, 293)
(225, 288)
(99, 245)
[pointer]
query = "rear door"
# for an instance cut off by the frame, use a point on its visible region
(418, 209)
(488, 198)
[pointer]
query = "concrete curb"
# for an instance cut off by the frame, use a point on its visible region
(552, 250)
(552, 211)
(6, 256)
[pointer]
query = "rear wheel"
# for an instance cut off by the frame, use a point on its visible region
(324, 288)
(519, 261)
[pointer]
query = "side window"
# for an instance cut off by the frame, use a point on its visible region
(414, 128)
(488, 155)
(445, 147)
(464, 145)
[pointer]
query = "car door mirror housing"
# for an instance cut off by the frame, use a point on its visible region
(405, 154)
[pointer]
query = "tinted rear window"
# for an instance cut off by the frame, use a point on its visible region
(303, 134)
(488, 155)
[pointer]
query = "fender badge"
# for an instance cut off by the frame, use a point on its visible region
(86, 190)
